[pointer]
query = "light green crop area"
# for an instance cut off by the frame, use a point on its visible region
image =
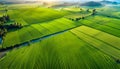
(55, 53)
(112, 11)
(54, 39)
(35, 31)
(100, 40)
(104, 24)
(35, 15)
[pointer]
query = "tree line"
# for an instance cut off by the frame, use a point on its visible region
(83, 17)
(4, 27)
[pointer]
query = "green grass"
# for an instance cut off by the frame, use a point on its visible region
(77, 13)
(105, 37)
(110, 11)
(90, 43)
(35, 31)
(107, 21)
(104, 24)
(96, 42)
(55, 53)
(35, 15)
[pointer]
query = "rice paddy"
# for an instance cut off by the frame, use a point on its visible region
(50, 40)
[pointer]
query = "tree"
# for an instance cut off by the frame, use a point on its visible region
(88, 10)
(94, 11)
(81, 9)
(82, 17)
(77, 19)
(117, 60)
(72, 19)
(5, 30)
(1, 24)
(6, 10)
(3, 19)
(7, 18)
(1, 32)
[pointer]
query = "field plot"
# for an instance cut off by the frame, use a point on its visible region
(35, 15)
(70, 37)
(72, 9)
(77, 12)
(104, 24)
(35, 31)
(112, 11)
(111, 22)
(97, 39)
(55, 53)
(105, 37)
(23, 6)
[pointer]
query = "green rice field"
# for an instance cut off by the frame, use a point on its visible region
(50, 40)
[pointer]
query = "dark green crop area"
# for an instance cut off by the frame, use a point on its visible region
(50, 39)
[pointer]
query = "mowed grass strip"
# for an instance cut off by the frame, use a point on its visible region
(98, 44)
(64, 51)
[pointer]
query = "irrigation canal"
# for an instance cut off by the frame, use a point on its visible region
(4, 51)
